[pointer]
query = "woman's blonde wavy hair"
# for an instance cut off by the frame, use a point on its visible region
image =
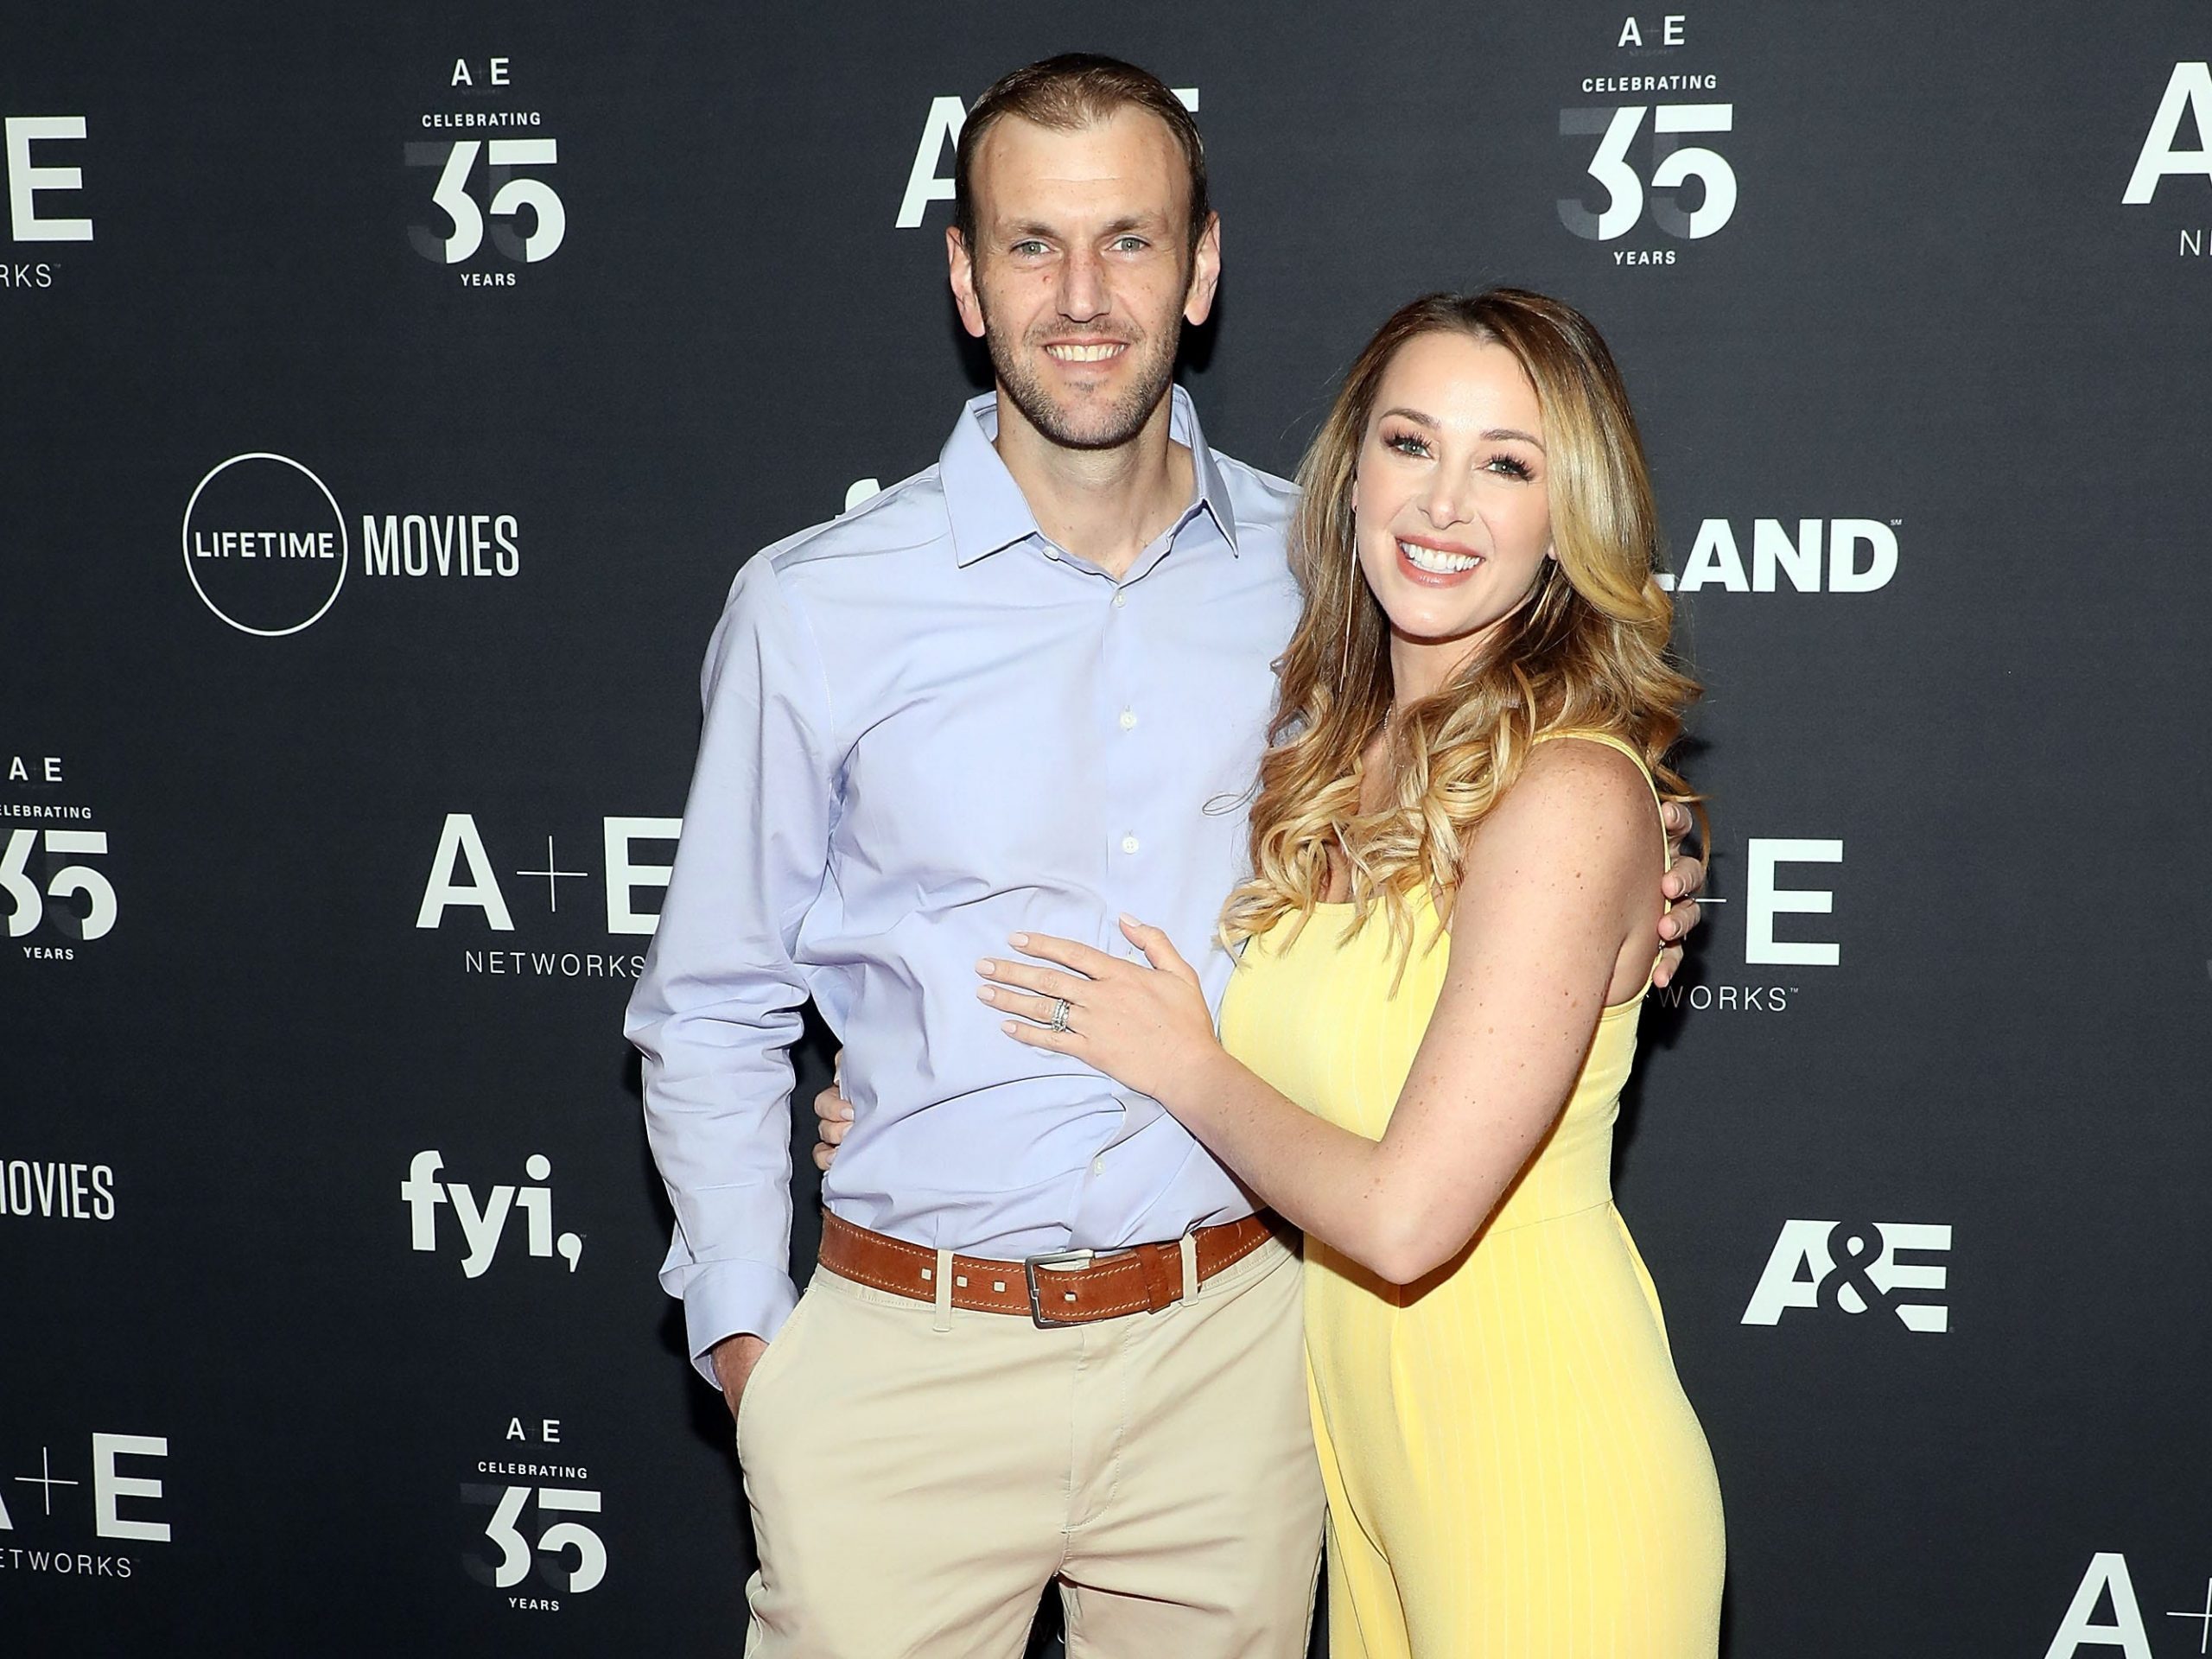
(1587, 650)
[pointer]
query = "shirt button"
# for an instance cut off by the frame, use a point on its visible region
(1128, 844)
(1121, 598)
(1098, 1166)
(1129, 719)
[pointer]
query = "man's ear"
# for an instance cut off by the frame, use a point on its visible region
(961, 270)
(1206, 273)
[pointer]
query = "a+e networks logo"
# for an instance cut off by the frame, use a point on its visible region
(120, 1484)
(2188, 98)
(33, 172)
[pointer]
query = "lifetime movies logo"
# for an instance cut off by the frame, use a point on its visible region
(520, 213)
(114, 1484)
(1686, 191)
(56, 902)
(1854, 1268)
(266, 548)
(53, 1190)
(32, 173)
(534, 1500)
(463, 880)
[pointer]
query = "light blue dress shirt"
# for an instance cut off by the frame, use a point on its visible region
(928, 726)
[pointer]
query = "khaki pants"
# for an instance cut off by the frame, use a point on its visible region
(917, 1477)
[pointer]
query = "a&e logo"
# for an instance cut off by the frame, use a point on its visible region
(1852, 1266)
(482, 1223)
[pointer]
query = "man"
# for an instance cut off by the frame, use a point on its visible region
(1048, 1341)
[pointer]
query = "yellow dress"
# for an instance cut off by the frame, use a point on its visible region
(1513, 1471)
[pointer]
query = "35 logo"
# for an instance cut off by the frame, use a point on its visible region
(517, 1552)
(1675, 165)
(28, 904)
(455, 161)
(1854, 1266)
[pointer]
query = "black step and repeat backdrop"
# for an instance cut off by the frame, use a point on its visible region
(390, 394)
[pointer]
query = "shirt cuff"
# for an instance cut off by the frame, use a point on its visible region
(729, 1299)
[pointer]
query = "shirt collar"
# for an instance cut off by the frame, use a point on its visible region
(987, 507)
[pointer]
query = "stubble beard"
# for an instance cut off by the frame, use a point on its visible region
(1089, 422)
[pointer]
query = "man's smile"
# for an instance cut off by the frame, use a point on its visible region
(1085, 351)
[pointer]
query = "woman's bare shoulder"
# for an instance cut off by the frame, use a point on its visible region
(1583, 791)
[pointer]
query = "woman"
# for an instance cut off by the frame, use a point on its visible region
(1445, 939)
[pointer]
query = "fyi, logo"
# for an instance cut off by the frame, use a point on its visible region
(483, 1224)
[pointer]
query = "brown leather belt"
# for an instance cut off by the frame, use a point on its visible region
(1059, 1287)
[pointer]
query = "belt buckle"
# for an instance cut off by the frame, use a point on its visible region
(1049, 1259)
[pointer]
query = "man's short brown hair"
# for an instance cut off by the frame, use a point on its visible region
(1068, 94)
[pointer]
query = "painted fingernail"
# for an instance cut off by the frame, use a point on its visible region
(1020, 941)
(1009, 1027)
(987, 966)
(985, 992)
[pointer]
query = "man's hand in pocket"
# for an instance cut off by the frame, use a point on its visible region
(734, 1358)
